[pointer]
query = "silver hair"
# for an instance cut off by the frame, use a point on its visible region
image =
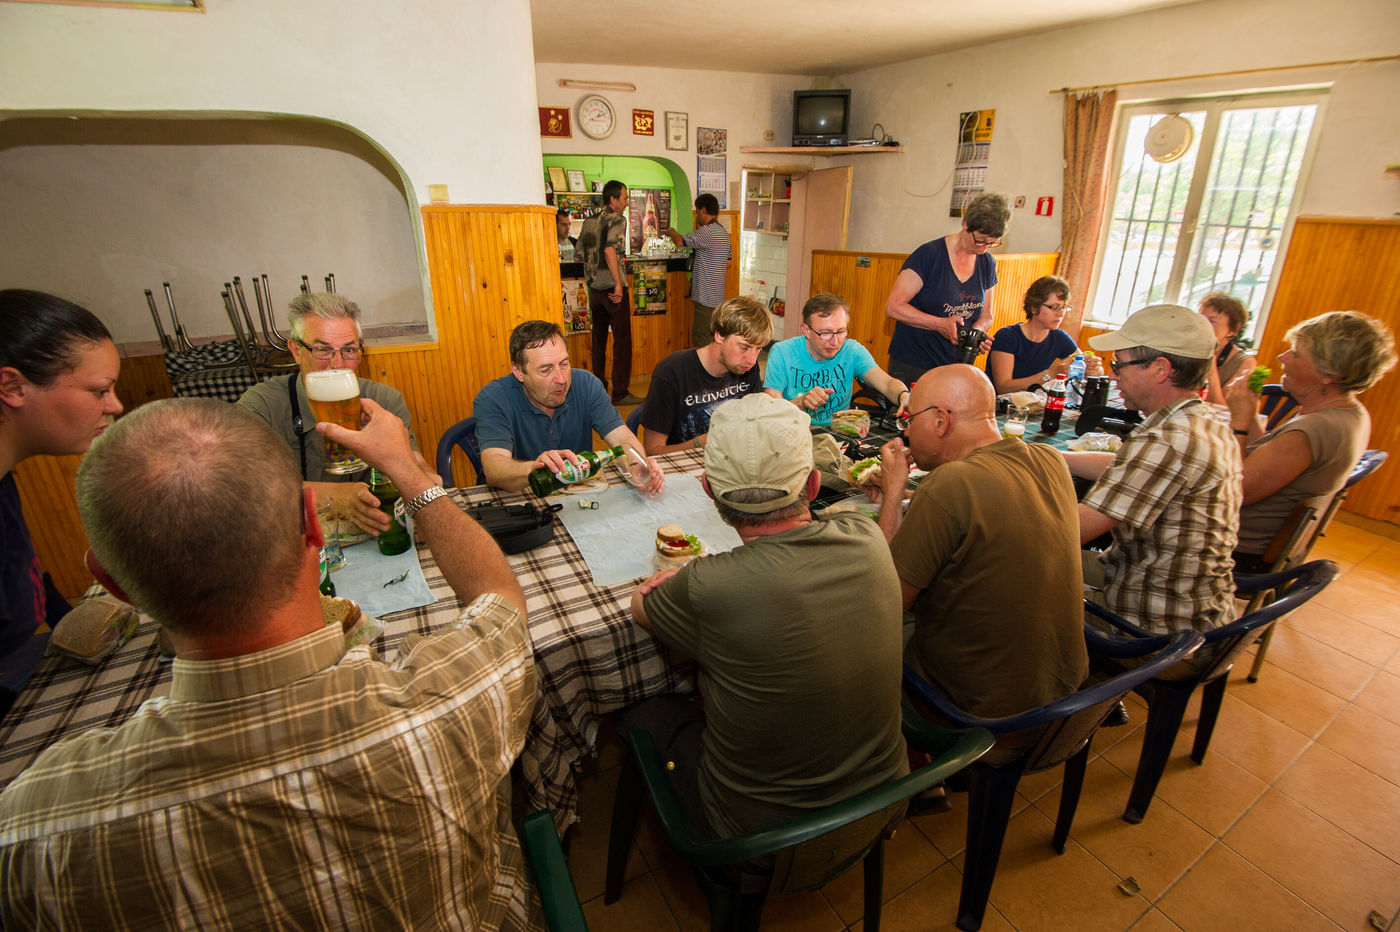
(325, 305)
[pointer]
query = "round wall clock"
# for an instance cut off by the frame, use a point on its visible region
(596, 117)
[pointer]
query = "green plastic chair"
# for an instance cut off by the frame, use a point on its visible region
(555, 884)
(798, 855)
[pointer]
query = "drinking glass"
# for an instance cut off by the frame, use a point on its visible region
(1015, 423)
(633, 467)
(335, 397)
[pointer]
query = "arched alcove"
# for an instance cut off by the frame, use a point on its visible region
(99, 207)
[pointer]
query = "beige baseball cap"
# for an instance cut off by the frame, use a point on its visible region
(758, 442)
(1167, 328)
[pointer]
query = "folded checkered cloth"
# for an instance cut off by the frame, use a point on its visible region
(220, 352)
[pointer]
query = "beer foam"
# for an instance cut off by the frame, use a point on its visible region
(331, 384)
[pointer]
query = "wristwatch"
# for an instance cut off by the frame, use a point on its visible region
(420, 501)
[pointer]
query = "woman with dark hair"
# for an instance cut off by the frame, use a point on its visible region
(58, 366)
(1227, 318)
(1307, 458)
(1031, 353)
(944, 284)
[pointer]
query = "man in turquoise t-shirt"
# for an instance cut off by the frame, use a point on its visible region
(814, 371)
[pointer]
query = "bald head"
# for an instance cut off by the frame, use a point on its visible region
(194, 508)
(960, 388)
(963, 419)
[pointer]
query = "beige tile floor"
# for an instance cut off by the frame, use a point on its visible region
(1292, 822)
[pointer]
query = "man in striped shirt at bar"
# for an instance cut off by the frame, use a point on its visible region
(707, 267)
(286, 781)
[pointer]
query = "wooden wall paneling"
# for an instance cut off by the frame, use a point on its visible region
(142, 379)
(1346, 263)
(47, 495)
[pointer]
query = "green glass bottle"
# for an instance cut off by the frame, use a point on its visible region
(393, 539)
(327, 587)
(543, 482)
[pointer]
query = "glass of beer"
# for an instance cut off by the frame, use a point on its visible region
(335, 398)
(1015, 423)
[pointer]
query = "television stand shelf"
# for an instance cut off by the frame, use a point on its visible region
(818, 150)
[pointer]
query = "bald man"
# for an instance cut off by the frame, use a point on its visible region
(987, 554)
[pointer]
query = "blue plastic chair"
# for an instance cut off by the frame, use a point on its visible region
(462, 434)
(555, 884)
(1297, 536)
(1276, 404)
(634, 420)
(1058, 732)
(1210, 668)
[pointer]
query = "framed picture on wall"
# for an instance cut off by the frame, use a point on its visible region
(677, 130)
(557, 179)
(576, 182)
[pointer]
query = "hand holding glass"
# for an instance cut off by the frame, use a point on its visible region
(335, 398)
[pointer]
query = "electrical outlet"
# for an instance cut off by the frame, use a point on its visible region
(767, 135)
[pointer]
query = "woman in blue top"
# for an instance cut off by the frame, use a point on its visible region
(57, 368)
(1032, 352)
(943, 284)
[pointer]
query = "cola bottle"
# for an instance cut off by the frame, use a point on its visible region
(1054, 405)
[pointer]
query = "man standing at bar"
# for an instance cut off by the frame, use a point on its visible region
(325, 333)
(713, 252)
(287, 781)
(603, 243)
(1171, 495)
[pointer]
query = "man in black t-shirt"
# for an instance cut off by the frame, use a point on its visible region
(688, 384)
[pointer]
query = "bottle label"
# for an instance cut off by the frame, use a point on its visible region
(1054, 402)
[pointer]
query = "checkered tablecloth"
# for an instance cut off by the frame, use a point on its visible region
(592, 659)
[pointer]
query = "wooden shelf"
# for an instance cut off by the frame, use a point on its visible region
(818, 150)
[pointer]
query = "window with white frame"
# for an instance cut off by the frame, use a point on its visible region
(1209, 213)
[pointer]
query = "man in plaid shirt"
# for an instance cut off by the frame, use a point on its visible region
(286, 781)
(1171, 495)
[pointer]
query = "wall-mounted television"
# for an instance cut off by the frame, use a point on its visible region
(820, 118)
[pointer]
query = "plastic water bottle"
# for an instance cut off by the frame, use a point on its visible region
(1075, 393)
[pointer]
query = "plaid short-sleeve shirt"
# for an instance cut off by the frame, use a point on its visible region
(1174, 489)
(303, 786)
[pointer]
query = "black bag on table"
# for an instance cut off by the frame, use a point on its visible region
(516, 528)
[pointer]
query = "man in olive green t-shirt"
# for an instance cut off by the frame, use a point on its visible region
(801, 704)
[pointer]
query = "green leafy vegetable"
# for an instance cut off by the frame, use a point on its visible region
(1258, 377)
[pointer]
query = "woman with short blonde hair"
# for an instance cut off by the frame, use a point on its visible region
(1308, 458)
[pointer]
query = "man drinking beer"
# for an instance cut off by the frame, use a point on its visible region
(325, 334)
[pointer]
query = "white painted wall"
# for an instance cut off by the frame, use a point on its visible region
(901, 201)
(444, 87)
(745, 104)
(99, 210)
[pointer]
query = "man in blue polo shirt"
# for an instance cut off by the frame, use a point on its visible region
(543, 412)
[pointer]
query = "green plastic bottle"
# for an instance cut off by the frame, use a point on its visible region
(543, 482)
(394, 539)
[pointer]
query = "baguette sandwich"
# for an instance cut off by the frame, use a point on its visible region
(864, 472)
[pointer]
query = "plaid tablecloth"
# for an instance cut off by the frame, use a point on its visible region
(591, 657)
